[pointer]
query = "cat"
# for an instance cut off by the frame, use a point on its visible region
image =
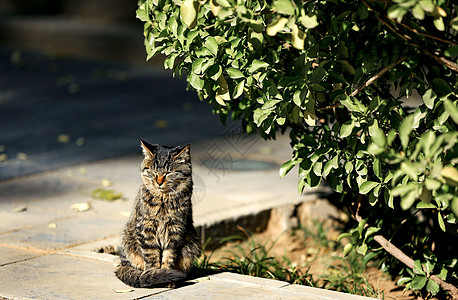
(159, 242)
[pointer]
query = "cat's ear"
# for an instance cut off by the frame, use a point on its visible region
(183, 154)
(148, 150)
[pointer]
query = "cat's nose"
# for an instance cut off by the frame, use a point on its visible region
(160, 179)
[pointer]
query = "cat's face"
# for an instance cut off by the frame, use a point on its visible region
(166, 170)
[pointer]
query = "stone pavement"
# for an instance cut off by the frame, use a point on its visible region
(50, 251)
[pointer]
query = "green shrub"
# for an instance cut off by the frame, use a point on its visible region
(336, 74)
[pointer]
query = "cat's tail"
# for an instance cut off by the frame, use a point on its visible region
(149, 278)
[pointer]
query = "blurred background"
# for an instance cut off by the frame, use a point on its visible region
(75, 87)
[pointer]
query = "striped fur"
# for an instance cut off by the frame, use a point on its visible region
(159, 242)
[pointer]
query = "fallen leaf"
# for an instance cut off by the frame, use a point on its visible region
(80, 142)
(63, 138)
(161, 123)
(52, 225)
(106, 183)
(19, 209)
(22, 156)
(80, 207)
(82, 170)
(123, 290)
(266, 150)
(109, 195)
(124, 213)
(3, 157)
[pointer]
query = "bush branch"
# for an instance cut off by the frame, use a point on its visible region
(448, 63)
(376, 76)
(402, 257)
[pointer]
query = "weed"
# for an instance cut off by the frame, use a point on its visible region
(347, 275)
(254, 258)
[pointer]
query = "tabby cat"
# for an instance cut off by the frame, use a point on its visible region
(159, 242)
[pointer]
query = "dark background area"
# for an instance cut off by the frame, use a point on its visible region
(77, 69)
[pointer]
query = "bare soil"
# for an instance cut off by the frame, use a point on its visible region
(318, 254)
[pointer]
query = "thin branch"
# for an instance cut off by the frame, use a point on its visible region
(376, 76)
(424, 34)
(448, 63)
(442, 60)
(402, 257)
(329, 107)
(409, 27)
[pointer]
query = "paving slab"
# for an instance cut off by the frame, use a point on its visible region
(57, 276)
(65, 233)
(13, 255)
(96, 250)
(236, 286)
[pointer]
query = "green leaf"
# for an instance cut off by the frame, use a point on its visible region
(284, 7)
(408, 200)
(257, 65)
(429, 267)
(377, 167)
(453, 50)
(432, 184)
(195, 81)
(441, 222)
(418, 12)
(297, 37)
(331, 164)
(454, 205)
(405, 129)
(309, 113)
(276, 25)
(362, 249)
(409, 169)
(343, 235)
(418, 282)
(234, 73)
(377, 135)
(286, 167)
(443, 274)
(309, 21)
(427, 5)
(260, 115)
(403, 280)
(428, 98)
(439, 23)
(188, 12)
(452, 109)
(441, 87)
(371, 231)
(141, 14)
(451, 173)
(424, 205)
(222, 92)
(238, 91)
(317, 168)
(454, 23)
(215, 72)
(432, 287)
(318, 74)
(347, 128)
(212, 45)
(417, 268)
(367, 186)
(347, 249)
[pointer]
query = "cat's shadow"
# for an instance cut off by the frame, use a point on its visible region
(195, 276)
